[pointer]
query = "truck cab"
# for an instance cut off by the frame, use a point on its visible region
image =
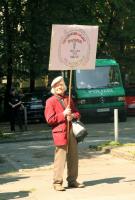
(98, 92)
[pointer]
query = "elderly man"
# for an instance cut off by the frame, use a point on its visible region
(59, 114)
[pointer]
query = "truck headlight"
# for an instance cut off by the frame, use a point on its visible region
(121, 98)
(81, 101)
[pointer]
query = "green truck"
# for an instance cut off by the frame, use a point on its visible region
(98, 92)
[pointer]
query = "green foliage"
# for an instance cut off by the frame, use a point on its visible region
(6, 136)
(27, 28)
(1, 133)
(107, 144)
(111, 143)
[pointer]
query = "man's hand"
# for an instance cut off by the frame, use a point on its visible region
(67, 111)
(70, 117)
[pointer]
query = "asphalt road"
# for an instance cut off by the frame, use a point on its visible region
(29, 154)
(105, 131)
(26, 167)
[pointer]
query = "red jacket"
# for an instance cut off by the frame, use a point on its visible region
(55, 118)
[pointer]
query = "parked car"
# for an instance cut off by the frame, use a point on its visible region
(34, 107)
(130, 99)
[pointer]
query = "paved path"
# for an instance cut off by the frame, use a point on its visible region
(26, 167)
(106, 177)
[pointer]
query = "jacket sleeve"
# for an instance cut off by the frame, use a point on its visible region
(52, 117)
(74, 110)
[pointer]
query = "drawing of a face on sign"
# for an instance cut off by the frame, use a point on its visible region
(74, 48)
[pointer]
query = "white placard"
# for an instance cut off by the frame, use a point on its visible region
(73, 47)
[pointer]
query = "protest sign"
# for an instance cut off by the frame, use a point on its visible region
(73, 47)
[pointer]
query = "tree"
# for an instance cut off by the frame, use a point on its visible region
(26, 32)
(10, 19)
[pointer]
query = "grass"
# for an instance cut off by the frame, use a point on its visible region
(109, 145)
(128, 151)
(3, 135)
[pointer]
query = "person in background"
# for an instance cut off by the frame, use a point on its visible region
(15, 106)
(58, 114)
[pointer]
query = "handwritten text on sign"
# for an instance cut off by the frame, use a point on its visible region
(73, 46)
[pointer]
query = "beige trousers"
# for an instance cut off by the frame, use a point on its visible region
(60, 158)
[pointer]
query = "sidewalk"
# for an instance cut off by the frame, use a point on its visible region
(41, 131)
(106, 177)
(26, 163)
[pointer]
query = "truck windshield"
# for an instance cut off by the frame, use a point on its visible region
(100, 77)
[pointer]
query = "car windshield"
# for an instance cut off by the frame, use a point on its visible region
(101, 77)
(30, 98)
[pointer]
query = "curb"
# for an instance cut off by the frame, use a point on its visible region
(23, 140)
(123, 153)
(126, 152)
(25, 137)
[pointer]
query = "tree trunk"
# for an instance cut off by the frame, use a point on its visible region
(8, 44)
(32, 79)
(32, 85)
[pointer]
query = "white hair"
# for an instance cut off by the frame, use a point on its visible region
(53, 91)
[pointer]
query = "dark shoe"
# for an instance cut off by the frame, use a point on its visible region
(58, 187)
(76, 185)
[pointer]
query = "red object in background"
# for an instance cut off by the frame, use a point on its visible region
(130, 99)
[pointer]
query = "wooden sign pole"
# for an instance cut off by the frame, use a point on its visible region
(69, 102)
(70, 86)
